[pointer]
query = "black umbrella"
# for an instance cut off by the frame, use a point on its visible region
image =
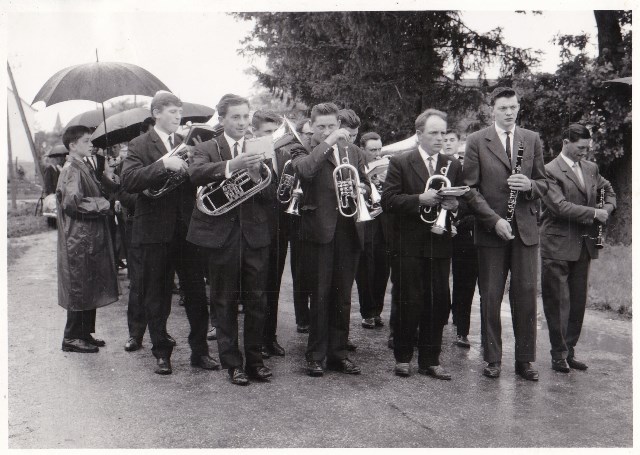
(92, 118)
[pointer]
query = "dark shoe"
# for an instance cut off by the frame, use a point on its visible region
(238, 377)
(378, 321)
(345, 366)
(205, 362)
(302, 328)
(368, 323)
(350, 346)
(275, 349)
(314, 368)
(264, 352)
(560, 365)
(164, 366)
(390, 342)
(492, 370)
(463, 342)
(576, 364)
(526, 371)
(436, 371)
(78, 345)
(212, 334)
(95, 341)
(260, 373)
(133, 344)
(402, 369)
(171, 340)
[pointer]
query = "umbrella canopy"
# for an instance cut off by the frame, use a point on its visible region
(99, 82)
(621, 80)
(92, 118)
(196, 113)
(57, 150)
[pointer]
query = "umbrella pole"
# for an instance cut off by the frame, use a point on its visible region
(104, 117)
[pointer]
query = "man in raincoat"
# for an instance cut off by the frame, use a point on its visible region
(87, 277)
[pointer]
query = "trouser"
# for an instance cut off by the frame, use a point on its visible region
(80, 324)
(564, 298)
(237, 273)
(277, 258)
(420, 292)
(494, 263)
(464, 266)
(136, 318)
(331, 268)
(301, 293)
(372, 276)
(159, 261)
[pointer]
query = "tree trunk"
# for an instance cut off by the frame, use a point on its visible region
(609, 37)
(619, 174)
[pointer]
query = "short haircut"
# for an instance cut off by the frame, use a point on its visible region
(301, 123)
(229, 100)
(575, 132)
(261, 117)
(163, 99)
(502, 92)
(73, 134)
(371, 136)
(422, 118)
(149, 121)
(453, 132)
(324, 109)
(349, 118)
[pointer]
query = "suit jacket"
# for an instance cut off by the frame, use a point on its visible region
(486, 170)
(155, 220)
(208, 165)
(568, 213)
(320, 208)
(406, 180)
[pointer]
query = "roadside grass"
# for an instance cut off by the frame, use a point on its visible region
(14, 251)
(610, 280)
(22, 221)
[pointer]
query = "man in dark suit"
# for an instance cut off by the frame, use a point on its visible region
(236, 243)
(568, 242)
(420, 259)
(332, 242)
(489, 159)
(159, 228)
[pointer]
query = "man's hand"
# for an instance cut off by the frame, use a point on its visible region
(175, 164)
(254, 172)
(430, 198)
(602, 215)
(503, 229)
(245, 161)
(519, 182)
(197, 139)
(450, 203)
(339, 134)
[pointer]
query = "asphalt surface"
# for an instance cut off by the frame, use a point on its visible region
(114, 400)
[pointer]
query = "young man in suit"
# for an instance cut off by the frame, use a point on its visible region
(159, 228)
(371, 145)
(420, 259)
(489, 161)
(236, 243)
(332, 242)
(570, 223)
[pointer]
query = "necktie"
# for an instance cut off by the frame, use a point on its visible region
(508, 146)
(431, 168)
(170, 143)
(235, 149)
(578, 172)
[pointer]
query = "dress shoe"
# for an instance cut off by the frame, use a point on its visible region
(170, 340)
(264, 352)
(164, 366)
(402, 369)
(95, 341)
(304, 328)
(238, 377)
(133, 344)
(261, 373)
(78, 345)
(314, 368)
(560, 365)
(390, 342)
(368, 323)
(492, 370)
(212, 334)
(350, 346)
(378, 321)
(345, 366)
(274, 348)
(436, 371)
(576, 364)
(463, 342)
(205, 362)
(526, 371)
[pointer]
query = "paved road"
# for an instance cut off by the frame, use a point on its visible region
(114, 400)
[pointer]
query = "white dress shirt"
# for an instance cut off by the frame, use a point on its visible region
(575, 167)
(231, 141)
(425, 157)
(502, 135)
(164, 137)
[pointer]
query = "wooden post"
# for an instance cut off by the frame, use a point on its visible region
(12, 176)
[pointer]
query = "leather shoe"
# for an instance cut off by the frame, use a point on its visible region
(314, 368)
(463, 342)
(206, 362)
(95, 341)
(78, 345)
(350, 346)
(170, 339)
(492, 370)
(560, 365)
(402, 369)
(264, 353)
(212, 334)
(164, 366)
(390, 342)
(345, 366)
(304, 328)
(275, 349)
(576, 364)
(436, 371)
(261, 373)
(133, 344)
(238, 377)
(526, 371)
(368, 323)
(378, 321)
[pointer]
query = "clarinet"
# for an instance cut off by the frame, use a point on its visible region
(600, 238)
(513, 195)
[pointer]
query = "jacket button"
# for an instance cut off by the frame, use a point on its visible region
(233, 218)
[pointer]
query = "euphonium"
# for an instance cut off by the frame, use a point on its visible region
(430, 215)
(351, 202)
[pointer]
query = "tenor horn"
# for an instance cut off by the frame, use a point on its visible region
(351, 202)
(437, 217)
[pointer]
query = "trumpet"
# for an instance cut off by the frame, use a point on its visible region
(175, 179)
(294, 205)
(351, 202)
(437, 218)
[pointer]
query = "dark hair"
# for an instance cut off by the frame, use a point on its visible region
(149, 121)
(301, 123)
(502, 92)
(261, 117)
(575, 132)
(73, 134)
(453, 132)
(422, 118)
(324, 109)
(163, 99)
(349, 118)
(371, 136)
(230, 100)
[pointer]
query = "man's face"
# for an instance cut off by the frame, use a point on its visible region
(168, 118)
(353, 133)
(82, 147)
(305, 134)
(265, 129)
(431, 139)
(236, 122)
(576, 151)
(373, 147)
(325, 124)
(505, 111)
(450, 144)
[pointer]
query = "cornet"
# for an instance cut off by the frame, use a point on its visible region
(286, 184)
(437, 218)
(351, 202)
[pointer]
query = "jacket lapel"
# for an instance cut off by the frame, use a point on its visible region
(157, 142)
(418, 166)
(564, 167)
(588, 180)
(495, 146)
